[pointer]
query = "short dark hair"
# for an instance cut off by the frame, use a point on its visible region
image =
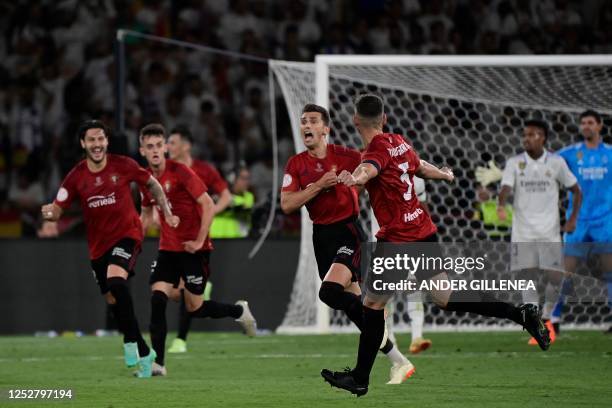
(369, 106)
(152, 129)
(311, 107)
(183, 132)
(91, 124)
(539, 124)
(591, 112)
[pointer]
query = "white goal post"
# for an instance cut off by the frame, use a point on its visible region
(457, 110)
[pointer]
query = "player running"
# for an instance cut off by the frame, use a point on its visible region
(184, 252)
(387, 169)
(101, 183)
(534, 177)
(311, 179)
(179, 149)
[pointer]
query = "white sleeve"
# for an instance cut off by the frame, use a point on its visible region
(565, 175)
(508, 177)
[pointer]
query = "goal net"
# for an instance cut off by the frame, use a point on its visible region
(461, 112)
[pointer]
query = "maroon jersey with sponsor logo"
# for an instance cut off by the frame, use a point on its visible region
(182, 187)
(394, 201)
(106, 200)
(210, 176)
(334, 204)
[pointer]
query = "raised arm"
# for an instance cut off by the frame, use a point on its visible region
(293, 200)
(362, 174)
(429, 171)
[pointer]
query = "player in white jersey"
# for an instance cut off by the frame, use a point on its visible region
(534, 177)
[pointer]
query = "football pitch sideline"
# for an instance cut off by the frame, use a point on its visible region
(495, 369)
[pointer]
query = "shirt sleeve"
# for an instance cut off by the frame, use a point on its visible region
(508, 177)
(565, 176)
(135, 173)
(67, 191)
(193, 184)
(214, 181)
(377, 155)
(290, 179)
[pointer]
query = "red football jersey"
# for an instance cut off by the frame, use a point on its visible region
(182, 187)
(209, 175)
(106, 200)
(394, 201)
(334, 204)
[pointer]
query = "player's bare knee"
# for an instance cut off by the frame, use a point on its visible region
(192, 302)
(374, 304)
(116, 271)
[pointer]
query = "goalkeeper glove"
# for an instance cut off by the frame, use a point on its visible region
(488, 175)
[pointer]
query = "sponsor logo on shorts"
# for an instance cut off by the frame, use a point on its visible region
(120, 252)
(345, 251)
(196, 280)
(101, 201)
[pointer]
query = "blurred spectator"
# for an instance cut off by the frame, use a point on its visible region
(59, 66)
(235, 220)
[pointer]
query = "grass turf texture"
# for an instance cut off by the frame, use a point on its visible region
(229, 370)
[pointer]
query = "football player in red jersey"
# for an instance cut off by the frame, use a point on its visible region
(101, 183)
(387, 169)
(183, 251)
(179, 149)
(311, 179)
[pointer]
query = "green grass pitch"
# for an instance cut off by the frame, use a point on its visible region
(495, 369)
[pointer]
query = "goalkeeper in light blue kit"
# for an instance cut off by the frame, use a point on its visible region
(591, 163)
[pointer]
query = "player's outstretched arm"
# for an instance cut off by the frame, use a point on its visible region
(51, 212)
(429, 171)
(570, 224)
(293, 200)
(362, 174)
(207, 205)
(157, 192)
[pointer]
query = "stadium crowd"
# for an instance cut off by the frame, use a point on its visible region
(58, 66)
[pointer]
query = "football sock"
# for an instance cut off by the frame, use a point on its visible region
(369, 342)
(158, 326)
(125, 314)
(217, 310)
(394, 354)
(551, 294)
(111, 318)
(417, 317)
(334, 296)
(483, 304)
(184, 323)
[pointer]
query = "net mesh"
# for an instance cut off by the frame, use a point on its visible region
(461, 117)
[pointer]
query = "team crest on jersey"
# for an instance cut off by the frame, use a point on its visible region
(319, 168)
(167, 186)
(114, 178)
(522, 166)
(579, 156)
(548, 173)
(98, 181)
